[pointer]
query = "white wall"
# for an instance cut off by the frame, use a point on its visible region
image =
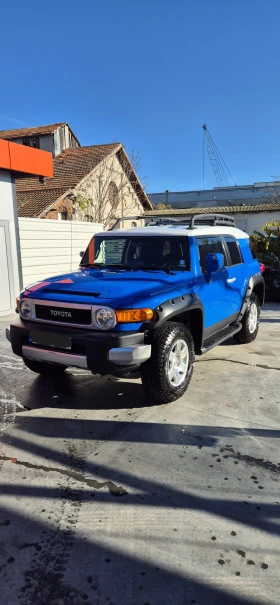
(252, 221)
(7, 213)
(50, 247)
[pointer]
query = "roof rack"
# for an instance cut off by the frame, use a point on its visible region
(191, 221)
(211, 219)
(160, 220)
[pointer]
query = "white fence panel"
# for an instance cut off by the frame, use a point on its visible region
(49, 247)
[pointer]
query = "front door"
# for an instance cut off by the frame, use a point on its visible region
(218, 295)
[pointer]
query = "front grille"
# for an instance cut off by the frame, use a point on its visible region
(64, 314)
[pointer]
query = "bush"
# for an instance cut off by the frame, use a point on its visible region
(266, 248)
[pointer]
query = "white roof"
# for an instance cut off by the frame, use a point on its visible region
(164, 230)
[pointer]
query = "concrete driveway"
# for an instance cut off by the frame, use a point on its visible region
(107, 499)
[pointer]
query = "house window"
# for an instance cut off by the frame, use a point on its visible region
(113, 194)
(61, 216)
(31, 142)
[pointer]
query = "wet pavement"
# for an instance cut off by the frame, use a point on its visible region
(108, 499)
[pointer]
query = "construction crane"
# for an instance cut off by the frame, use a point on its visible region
(223, 175)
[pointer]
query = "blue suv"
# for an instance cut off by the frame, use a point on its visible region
(147, 299)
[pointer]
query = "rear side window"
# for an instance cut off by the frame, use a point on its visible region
(234, 251)
(208, 245)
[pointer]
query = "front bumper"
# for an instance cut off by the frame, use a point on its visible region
(99, 352)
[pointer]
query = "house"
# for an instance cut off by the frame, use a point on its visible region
(53, 137)
(95, 183)
(247, 218)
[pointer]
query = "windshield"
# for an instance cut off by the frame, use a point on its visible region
(134, 253)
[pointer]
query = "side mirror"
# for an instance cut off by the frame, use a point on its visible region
(81, 254)
(214, 263)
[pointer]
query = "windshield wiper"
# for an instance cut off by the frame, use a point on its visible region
(157, 268)
(105, 266)
(118, 266)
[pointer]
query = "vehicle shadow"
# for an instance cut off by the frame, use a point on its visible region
(229, 343)
(85, 392)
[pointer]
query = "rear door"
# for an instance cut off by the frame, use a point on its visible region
(236, 281)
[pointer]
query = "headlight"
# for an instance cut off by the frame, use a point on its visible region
(25, 308)
(105, 318)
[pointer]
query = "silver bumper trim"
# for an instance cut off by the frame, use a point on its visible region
(130, 355)
(65, 359)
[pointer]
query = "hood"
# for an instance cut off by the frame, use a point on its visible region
(103, 286)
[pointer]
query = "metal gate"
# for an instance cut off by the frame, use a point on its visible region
(7, 295)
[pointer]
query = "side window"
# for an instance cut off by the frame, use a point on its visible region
(234, 251)
(209, 245)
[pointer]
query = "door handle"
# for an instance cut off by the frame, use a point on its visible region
(231, 280)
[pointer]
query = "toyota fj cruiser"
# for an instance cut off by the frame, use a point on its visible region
(145, 299)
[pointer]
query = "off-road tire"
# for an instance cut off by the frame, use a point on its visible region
(46, 369)
(245, 336)
(154, 371)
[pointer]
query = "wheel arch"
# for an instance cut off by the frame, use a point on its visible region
(186, 309)
(259, 290)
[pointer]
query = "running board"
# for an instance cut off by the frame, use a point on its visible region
(219, 337)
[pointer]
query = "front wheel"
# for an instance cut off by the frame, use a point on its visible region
(250, 322)
(166, 375)
(46, 369)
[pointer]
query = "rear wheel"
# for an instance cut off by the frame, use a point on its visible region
(46, 369)
(250, 322)
(166, 375)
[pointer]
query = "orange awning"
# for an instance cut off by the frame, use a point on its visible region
(19, 158)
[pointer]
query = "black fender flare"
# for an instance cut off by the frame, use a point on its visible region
(177, 306)
(254, 280)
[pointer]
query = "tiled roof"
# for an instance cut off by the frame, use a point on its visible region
(31, 203)
(32, 130)
(70, 167)
(269, 207)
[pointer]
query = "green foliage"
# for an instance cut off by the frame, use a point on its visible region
(267, 241)
(265, 245)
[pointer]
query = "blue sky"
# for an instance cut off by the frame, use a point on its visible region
(149, 73)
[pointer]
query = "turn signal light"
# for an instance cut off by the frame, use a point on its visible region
(17, 304)
(262, 267)
(134, 315)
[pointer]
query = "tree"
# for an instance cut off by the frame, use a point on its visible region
(111, 190)
(267, 241)
(265, 245)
